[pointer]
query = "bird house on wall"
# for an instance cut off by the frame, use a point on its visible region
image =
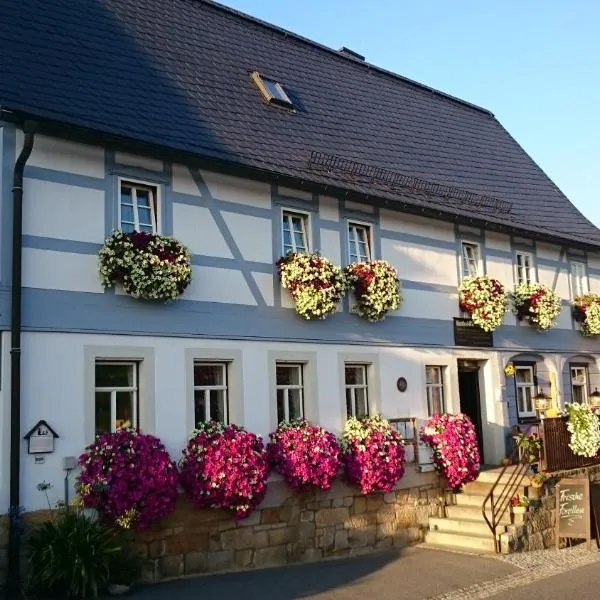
(40, 438)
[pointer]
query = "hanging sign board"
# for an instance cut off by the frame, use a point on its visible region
(573, 510)
(466, 333)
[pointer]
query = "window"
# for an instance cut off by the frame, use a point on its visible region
(579, 284)
(524, 268)
(210, 392)
(290, 391)
(116, 396)
(137, 208)
(470, 259)
(434, 385)
(272, 90)
(294, 228)
(359, 242)
(525, 389)
(357, 390)
(579, 384)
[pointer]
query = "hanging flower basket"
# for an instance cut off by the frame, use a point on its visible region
(584, 427)
(485, 300)
(586, 311)
(537, 303)
(373, 454)
(455, 450)
(306, 455)
(376, 288)
(225, 467)
(315, 283)
(148, 266)
(129, 478)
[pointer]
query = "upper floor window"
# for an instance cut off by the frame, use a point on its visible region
(294, 230)
(471, 259)
(357, 390)
(290, 391)
(116, 395)
(579, 282)
(579, 384)
(525, 390)
(524, 268)
(210, 392)
(434, 386)
(138, 207)
(359, 242)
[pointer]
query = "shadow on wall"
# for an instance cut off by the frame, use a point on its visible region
(283, 583)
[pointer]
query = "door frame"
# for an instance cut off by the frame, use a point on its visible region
(474, 366)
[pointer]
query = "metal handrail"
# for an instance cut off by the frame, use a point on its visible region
(500, 503)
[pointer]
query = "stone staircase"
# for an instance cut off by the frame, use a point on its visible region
(463, 527)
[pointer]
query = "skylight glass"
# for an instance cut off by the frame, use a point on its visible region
(272, 90)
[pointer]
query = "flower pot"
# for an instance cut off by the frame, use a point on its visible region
(519, 510)
(118, 589)
(534, 492)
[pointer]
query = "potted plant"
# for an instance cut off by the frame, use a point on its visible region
(537, 303)
(586, 311)
(485, 300)
(536, 484)
(519, 504)
(376, 288)
(314, 282)
(530, 446)
(148, 266)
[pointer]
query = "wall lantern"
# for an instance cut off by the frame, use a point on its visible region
(541, 402)
(595, 399)
(40, 438)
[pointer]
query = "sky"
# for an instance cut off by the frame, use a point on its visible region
(535, 64)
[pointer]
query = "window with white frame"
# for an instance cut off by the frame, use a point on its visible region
(525, 390)
(295, 232)
(290, 391)
(357, 390)
(434, 386)
(579, 283)
(359, 242)
(471, 259)
(579, 384)
(138, 207)
(211, 402)
(116, 395)
(524, 269)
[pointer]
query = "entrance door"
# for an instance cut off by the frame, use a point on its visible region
(468, 387)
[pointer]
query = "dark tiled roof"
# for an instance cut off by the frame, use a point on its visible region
(176, 73)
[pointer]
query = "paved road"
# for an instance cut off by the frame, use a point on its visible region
(412, 574)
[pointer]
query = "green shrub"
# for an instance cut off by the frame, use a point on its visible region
(72, 556)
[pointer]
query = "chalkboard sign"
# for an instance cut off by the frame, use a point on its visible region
(572, 510)
(466, 333)
(595, 504)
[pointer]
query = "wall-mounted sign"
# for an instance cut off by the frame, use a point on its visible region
(466, 333)
(40, 438)
(401, 384)
(573, 510)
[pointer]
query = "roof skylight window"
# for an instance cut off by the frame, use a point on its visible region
(272, 90)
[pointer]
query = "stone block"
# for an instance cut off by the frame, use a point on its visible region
(306, 531)
(400, 538)
(360, 505)
(360, 551)
(405, 516)
(220, 561)
(348, 501)
(386, 530)
(311, 555)
(374, 502)
(261, 539)
(268, 557)
(289, 513)
(195, 563)
(307, 516)
(390, 498)
(157, 549)
(269, 516)
(150, 573)
(171, 566)
(331, 516)
(278, 537)
(325, 537)
(384, 544)
(365, 536)
(237, 539)
(415, 534)
(244, 558)
(340, 540)
(386, 514)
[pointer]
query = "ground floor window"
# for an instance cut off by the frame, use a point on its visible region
(357, 390)
(116, 395)
(434, 385)
(290, 391)
(210, 392)
(525, 390)
(579, 384)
